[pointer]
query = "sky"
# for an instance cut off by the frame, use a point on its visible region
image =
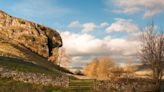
(93, 28)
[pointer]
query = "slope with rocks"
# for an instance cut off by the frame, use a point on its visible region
(27, 40)
(25, 47)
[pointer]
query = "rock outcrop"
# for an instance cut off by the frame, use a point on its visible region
(18, 32)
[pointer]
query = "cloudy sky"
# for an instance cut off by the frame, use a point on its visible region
(92, 28)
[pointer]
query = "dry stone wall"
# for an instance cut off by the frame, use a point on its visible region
(35, 78)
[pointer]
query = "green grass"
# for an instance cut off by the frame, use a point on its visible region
(24, 66)
(20, 65)
(10, 85)
(81, 85)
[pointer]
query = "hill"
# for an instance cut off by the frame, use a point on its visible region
(25, 47)
(28, 41)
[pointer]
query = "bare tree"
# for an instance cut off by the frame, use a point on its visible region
(62, 58)
(152, 52)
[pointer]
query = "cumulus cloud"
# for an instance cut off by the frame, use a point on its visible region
(122, 25)
(74, 24)
(88, 27)
(85, 27)
(148, 7)
(104, 24)
(80, 46)
(123, 46)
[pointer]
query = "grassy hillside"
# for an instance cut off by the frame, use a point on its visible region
(16, 51)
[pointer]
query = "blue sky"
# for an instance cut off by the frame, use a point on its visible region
(59, 13)
(96, 21)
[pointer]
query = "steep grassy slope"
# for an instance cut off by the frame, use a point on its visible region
(15, 52)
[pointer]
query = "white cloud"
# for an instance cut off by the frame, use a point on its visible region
(88, 27)
(151, 13)
(123, 46)
(104, 24)
(74, 24)
(80, 46)
(122, 25)
(84, 27)
(149, 7)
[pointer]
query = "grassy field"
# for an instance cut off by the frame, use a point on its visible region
(81, 85)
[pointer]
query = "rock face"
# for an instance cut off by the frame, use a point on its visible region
(39, 39)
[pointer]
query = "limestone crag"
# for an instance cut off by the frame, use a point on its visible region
(40, 39)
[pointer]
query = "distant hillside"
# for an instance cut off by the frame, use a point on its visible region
(141, 67)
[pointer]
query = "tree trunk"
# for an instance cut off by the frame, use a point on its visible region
(156, 77)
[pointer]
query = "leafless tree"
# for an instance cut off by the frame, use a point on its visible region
(61, 58)
(152, 52)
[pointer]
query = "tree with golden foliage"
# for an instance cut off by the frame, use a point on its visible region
(99, 68)
(90, 69)
(117, 71)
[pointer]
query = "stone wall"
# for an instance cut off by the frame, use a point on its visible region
(140, 85)
(35, 78)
